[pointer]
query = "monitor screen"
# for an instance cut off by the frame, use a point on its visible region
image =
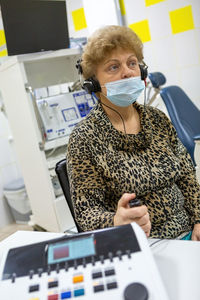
(34, 25)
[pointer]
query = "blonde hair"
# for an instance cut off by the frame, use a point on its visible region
(104, 41)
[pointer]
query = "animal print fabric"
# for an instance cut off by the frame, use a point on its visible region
(104, 163)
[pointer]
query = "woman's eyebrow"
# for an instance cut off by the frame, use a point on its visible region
(111, 60)
(116, 60)
(132, 56)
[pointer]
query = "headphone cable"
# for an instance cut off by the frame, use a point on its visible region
(113, 110)
(118, 114)
(150, 172)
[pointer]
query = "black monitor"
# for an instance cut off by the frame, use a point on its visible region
(34, 25)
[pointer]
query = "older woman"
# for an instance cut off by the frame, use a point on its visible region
(122, 149)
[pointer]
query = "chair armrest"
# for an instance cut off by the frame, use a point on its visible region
(196, 137)
(197, 158)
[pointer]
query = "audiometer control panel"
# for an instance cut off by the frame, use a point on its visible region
(114, 263)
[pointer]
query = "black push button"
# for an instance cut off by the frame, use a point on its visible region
(109, 272)
(52, 284)
(97, 275)
(98, 288)
(112, 285)
(34, 288)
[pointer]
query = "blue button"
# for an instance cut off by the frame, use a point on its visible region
(79, 292)
(66, 295)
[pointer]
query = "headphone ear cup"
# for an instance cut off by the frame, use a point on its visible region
(143, 71)
(91, 85)
(87, 86)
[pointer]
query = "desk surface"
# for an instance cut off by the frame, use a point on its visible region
(178, 261)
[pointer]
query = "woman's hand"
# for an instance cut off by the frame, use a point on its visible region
(125, 214)
(196, 232)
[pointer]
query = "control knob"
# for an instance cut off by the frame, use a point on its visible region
(136, 291)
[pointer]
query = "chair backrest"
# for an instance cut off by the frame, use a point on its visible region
(184, 115)
(61, 171)
(157, 79)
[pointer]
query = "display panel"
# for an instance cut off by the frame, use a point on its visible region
(71, 249)
(69, 114)
(34, 25)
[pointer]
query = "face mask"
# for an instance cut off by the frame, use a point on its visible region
(124, 92)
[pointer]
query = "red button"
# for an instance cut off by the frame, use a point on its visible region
(53, 297)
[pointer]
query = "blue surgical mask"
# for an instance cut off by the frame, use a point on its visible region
(124, 92)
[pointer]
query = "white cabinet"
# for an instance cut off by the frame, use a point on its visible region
(36, 71)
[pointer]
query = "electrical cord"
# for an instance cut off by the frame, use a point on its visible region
(150, 172)
(93, 94)
(118, 114)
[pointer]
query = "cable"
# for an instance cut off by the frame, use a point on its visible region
(150, 172)
(118, 114)
(158, 241)
(93, 94)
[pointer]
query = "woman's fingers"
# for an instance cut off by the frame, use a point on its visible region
(124, 200)
(126, 215)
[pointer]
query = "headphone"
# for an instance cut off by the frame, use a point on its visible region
(92, 85)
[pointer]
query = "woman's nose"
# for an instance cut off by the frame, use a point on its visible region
(126, 72)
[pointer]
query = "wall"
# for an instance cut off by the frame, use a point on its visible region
(9, 169)
(170, 31)
(76, 19)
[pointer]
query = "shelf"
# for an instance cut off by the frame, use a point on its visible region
(56, 143)
(37, 159)
(33, 57)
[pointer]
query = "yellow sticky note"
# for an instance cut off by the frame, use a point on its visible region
(3, 53)
(152, 2)
(122, 7)
(79, 20)
(181, 19)
(2, 38)
(142, 30)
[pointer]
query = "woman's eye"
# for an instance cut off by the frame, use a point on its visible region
(132, 64)
(113, 68)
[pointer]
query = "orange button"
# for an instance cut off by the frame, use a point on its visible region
(78, 278)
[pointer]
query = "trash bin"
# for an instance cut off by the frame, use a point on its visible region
(17, 198)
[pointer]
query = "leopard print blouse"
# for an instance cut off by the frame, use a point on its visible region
(104, 163)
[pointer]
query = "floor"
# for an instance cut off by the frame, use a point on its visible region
(12, 228)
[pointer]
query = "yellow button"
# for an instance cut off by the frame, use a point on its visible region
(34, 299)
(78, 278)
